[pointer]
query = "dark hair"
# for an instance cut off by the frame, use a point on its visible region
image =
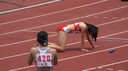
(42, 38)
(93, 31)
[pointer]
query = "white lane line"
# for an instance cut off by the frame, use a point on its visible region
(106, 65)
(28, 7)
(66, 45)
(105, 17)
(114, 17)
(107, 11)
(116, 38)
(35, 38)
(67, 20)
(75, 57)
(61, 22)
(23, 41)
(115, 34)
(54, 12)
(122, 19)
(38, 31)
(22, 53)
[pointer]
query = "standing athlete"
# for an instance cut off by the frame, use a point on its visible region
(80, 27)
(43, 56)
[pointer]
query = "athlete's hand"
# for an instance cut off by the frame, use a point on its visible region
(85, 50)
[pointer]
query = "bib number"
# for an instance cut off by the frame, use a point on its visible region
(44, 60)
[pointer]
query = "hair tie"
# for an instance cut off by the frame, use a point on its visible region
(45, 44)
(45, 41)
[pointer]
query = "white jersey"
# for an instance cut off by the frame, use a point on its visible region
(43, 59)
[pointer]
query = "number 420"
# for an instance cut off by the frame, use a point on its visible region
(44, 58)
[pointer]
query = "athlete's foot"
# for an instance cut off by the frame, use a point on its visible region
(85, 50)
(96, 47)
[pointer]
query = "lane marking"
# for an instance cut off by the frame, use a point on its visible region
(35, 38)
(61, 22)
(70, 20)
(114, 17)
(37, 31)
(106, 65)
(112, 40)
(116, 38)
(80, 56)
(115, 34)
(28, 7)
(23, 41)
(51, 36)
(108, 11)
(53, 12)
(95, 17)
(105, 17)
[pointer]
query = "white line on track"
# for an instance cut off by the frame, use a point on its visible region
(75, 56)
(37, 31)
(116, 38)
(66, 45)
(54, 12)
(70, 20)
(106, 65)
(28, 7)
(108, 11)
(49, 36)
(23, 41)
(115, 34)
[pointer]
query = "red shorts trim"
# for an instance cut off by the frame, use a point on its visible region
(61, 28)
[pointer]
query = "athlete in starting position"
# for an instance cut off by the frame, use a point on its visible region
(79, 27)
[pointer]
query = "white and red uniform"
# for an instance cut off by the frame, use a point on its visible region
(43, 59)
(66, 29)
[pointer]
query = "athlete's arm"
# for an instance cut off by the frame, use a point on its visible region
(55, 58)
(83, 29)
(89, 39)
(30, 58)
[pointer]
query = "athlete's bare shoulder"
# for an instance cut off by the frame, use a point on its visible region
(83, 26)
(33, 50)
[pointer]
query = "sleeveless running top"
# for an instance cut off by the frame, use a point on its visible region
(66, 29)
(77, 28)
(43, 59)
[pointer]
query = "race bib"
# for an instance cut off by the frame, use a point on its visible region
(44, 60)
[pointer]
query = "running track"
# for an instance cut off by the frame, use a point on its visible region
(18, 34)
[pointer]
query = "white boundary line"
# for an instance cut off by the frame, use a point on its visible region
(54, 12)
(55, 35)
(63, 22)
(28, 7)
(37, 31)
(35, 38)
(116, 38)
(74, 56)
(72, 20)
(106, 65)
(115, 34)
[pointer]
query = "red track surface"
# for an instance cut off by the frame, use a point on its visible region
(111, 16)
